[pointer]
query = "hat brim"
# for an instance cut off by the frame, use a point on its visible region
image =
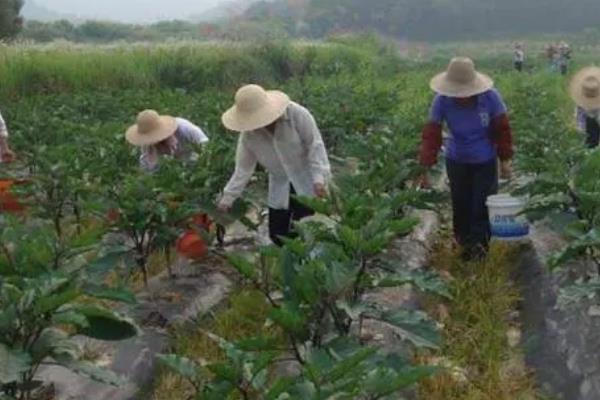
(239, 121)
(165, 129)
(442, 85)
(576, 89)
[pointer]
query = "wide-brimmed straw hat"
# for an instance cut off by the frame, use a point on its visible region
(461, 80)
(585, 88)
(255, 108)
(151, 128)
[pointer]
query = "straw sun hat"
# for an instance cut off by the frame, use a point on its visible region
(461, 80)
(151, 128)
(585, 88)
(255, 108)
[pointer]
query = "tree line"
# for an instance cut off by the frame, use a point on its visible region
(431, 20)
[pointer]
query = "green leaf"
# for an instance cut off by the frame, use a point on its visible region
(385, 382)
(414, 327)
(404, 226)
(279, 387)
(185, 367)
(290, 320)
(54, 342)
(70, 318)
(12, 364)
(93, 372)
(122, 295)
(105, 324)
(243, 266)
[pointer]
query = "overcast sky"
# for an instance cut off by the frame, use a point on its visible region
(130, 10)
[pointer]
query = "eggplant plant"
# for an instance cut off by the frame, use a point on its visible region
(344, 369)
(42, 311)
(315, 285)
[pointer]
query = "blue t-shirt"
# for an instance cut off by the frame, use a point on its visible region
(470, 140)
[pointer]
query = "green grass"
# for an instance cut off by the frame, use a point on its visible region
(482, 364)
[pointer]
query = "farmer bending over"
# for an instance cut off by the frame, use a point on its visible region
(585, 91)
(159, 135)
(6, 154)
(479, 133)
(283, 137)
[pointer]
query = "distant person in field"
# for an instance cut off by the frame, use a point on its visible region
(564, 57)
(585, 91)
(283, 137)
(519, 57)
(6, 154)
(479, 134)
(551, 52)
(161, 135)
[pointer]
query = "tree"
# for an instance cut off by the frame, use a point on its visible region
(10, 20)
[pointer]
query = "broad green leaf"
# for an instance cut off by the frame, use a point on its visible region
(182, 366)
(54, 342)
(290, 320)
(105, 324)
(93, 372)
(12, 364)
(414, 327)
(280, 387)
(243, 266)
(122, 295)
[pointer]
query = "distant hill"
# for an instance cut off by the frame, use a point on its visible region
(429, 19)
(34, 11)
(228, 10)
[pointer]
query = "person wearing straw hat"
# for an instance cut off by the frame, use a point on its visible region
(479, 134)
(159, 135)
(585, 91)
(6, 154)
(283, 137)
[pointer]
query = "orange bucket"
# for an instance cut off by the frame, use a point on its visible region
(9, 202)
(192, 246)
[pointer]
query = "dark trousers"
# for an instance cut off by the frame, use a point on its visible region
(592, 129)
(470, 186)
(519, 65)
(280, 221)
(564, 69)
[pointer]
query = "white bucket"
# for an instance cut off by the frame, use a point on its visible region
(505, 219)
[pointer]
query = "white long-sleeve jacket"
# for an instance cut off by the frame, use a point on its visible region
(3, 128)
(294, 155)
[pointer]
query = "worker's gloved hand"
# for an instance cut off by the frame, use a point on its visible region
(320, 190)
(506, 170)
(224, 208)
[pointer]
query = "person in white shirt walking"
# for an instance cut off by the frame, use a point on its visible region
(283, 137)
(159, 135)
(6, 154)
(519, 57)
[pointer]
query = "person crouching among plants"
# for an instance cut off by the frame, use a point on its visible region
(479, 133)
(283, 137)
(585, 91)
(160, 135)
(6, 154)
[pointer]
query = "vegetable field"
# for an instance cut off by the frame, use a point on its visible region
(91, 229)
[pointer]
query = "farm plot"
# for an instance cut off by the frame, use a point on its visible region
(95, 231)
